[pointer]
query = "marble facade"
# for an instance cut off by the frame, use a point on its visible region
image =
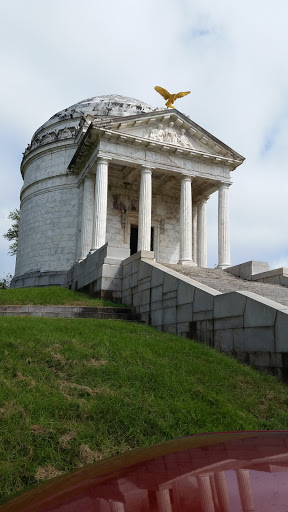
(111, 169)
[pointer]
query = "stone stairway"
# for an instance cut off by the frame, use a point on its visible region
(225, 282)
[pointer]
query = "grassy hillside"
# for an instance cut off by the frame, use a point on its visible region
(49, 295)
(74, 391)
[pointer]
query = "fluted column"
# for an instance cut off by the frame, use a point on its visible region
(205, 493)
(102, 505)
(163, 500)
(223, 227)
(245, 490)
(87, 217)
(116, 506)
(202, 232)
(222, 493)
(186, 222)
(100, 212)
(194, 232)
(145, 205)
(214, 492)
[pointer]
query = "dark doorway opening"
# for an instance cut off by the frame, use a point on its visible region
(134, 239)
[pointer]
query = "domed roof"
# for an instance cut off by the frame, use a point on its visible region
(109, 105)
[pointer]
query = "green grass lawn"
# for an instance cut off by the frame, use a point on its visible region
(50, 295)
(75, 391)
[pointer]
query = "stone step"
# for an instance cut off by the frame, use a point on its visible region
(68, 312)
(224, 282)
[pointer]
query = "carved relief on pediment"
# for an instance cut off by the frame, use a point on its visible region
(170, 136)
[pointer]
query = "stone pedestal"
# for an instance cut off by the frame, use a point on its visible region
(87, 217)
(145, 205)
(186, 222)
(100, 214)
(223, 227)
(202, 233)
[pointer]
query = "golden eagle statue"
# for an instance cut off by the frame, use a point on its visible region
(170, 97)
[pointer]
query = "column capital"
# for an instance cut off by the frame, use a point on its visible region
(202, 198)
(102, 158)
(187, 177)
(223, 184)
(88, 176)
(146, 168)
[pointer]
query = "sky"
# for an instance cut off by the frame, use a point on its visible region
(231, 55)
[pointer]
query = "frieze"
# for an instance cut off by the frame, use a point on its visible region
(162, 160)
(48, 137)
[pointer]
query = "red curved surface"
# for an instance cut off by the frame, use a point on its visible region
(227, 472)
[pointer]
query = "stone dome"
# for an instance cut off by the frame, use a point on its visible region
(99, 106)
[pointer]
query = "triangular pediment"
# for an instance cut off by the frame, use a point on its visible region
(169, 127)
(167, 130)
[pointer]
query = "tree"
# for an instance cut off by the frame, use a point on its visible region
(12, 233)
(5, 282)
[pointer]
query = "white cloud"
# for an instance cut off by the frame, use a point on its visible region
(231, 55)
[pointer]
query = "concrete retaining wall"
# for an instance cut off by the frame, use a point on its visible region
(242, 324)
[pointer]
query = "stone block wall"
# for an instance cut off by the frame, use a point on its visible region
(247, 269)
(162, 297)
(253, 328)
(48, 228)
(275, 276)
(31, 279)
(100, 274)
(260, 271)
(242, 324)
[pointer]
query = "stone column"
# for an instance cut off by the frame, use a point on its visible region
(194, 232)
(186, 222)
(223, 227)
(222, 493)
(100, 212)
(87, 217)
(202, 232)
(102, 505)
(245, 490)
(145, 205)
(163, 500)
(214, 492)
(116, 506)
(205, 493)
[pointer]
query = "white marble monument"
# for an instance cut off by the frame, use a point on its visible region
(114, 169)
